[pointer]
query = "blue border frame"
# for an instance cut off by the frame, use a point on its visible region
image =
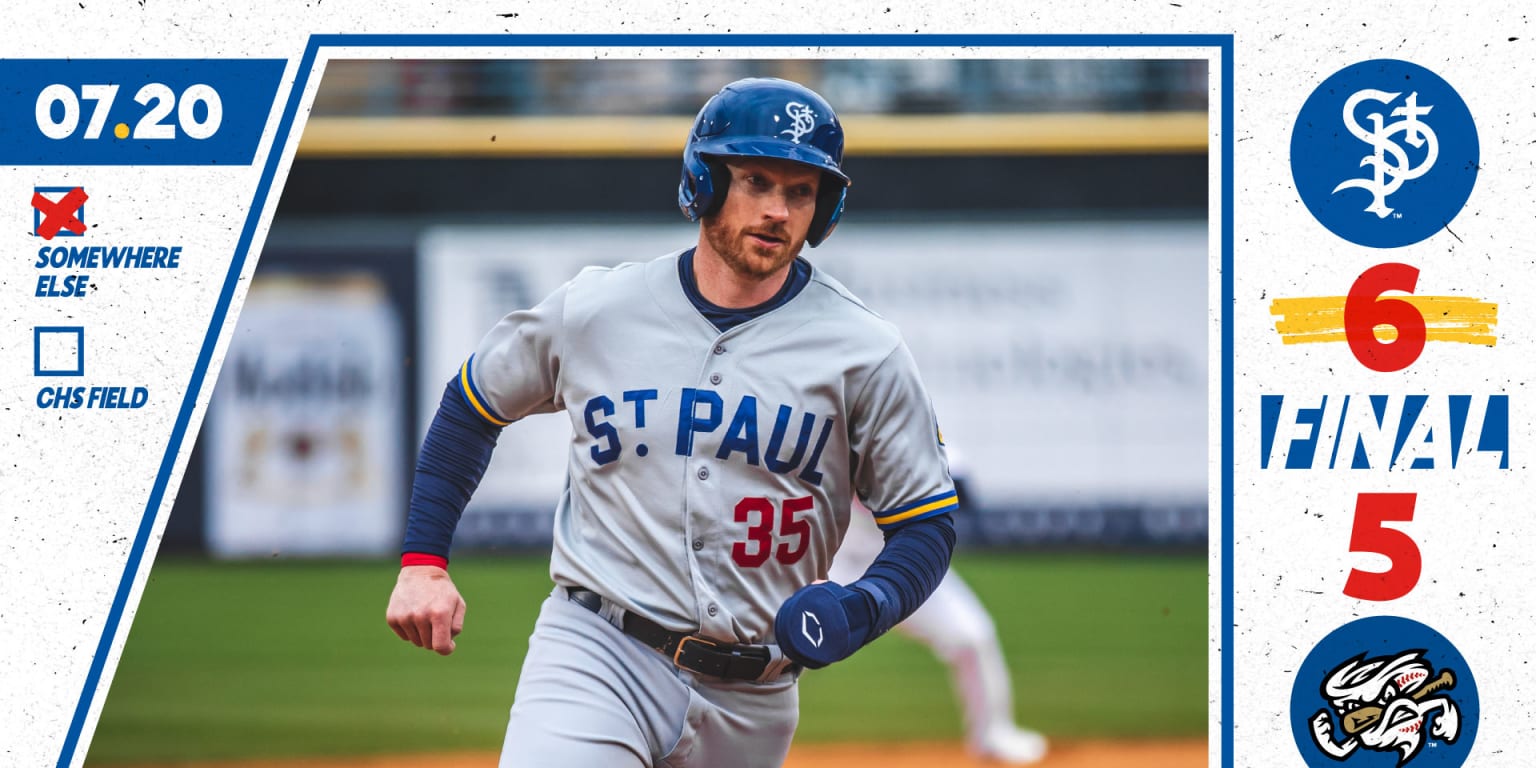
(1224, 43)
(1228, 302)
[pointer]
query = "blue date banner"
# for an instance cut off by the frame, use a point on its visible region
(134, 111)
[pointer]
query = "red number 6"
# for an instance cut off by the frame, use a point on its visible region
(1364, 309)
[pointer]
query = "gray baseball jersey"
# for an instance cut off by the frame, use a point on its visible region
(711, 474)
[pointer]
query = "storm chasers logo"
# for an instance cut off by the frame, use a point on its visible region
(1384, 153)
(1385, 704)
(1384, 692)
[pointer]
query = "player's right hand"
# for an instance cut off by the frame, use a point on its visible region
(425, 609)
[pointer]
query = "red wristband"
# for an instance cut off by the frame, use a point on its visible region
(422, 558)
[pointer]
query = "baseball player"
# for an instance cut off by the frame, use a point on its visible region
(729, 402)
(956, 626)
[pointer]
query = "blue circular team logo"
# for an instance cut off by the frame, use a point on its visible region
(1384, 153)
(1384, 692)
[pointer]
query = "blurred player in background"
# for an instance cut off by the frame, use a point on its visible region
(956, 626)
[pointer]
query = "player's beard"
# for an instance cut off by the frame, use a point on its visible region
(743, 256)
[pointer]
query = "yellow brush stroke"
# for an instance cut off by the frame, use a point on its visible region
(1446, 318)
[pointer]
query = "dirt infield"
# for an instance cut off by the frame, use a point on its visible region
(1084, 754)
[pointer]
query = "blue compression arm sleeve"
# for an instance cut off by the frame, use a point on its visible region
(453, 459)
(908, 570)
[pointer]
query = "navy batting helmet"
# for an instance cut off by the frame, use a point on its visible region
(764, 117)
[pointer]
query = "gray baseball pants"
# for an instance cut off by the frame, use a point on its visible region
(591, 696)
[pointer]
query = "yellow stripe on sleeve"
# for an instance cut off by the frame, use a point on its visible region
(469, 394)
(947, 501)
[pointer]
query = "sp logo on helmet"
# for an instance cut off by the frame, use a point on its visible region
(1384, 153)
(1384, 692)
(804, 121)
(746, 119)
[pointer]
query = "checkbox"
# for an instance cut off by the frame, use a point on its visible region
(58, 351)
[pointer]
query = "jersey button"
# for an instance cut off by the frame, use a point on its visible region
(703, 473)
(714, 378)
(719, 349)
(713, 609)
(698, 544)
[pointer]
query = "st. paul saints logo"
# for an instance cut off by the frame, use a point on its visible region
(1384, 153)
(802, 120)
(1387, 161)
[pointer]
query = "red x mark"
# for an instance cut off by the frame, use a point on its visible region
(60, 215)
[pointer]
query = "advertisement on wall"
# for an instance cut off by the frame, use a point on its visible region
(303, 432)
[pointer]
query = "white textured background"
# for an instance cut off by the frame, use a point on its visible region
(73, 485)
(1473, 528)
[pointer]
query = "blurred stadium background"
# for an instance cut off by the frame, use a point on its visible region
(1037, 228)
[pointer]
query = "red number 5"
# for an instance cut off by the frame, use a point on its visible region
(760, 532)
(1372, 510)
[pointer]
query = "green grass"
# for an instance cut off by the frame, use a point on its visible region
(271, 659)
(1097, 646)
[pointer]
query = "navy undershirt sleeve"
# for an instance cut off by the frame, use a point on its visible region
(908, 570)
(453, 459)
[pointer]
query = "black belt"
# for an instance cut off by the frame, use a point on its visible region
(691, 652)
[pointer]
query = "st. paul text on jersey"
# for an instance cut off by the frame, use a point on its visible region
(704, 412)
